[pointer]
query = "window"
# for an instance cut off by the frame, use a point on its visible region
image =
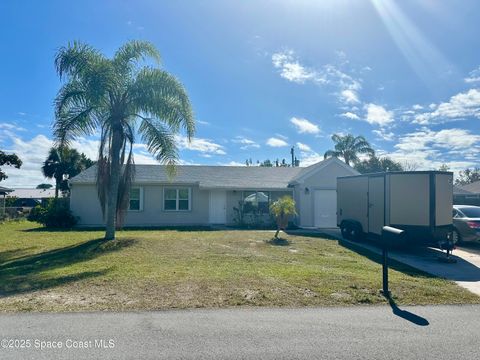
(176, 199)
(256, 202)
(136, 201)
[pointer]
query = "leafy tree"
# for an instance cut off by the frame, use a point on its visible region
(444, 167)
(468, 176)
(349, 147)
(86, 162)
(61, 164)
(44, 186)
(9, 160)
(377, 164)
(266, 163)
(121, 99)
(282, 210)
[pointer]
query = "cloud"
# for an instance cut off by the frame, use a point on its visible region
(245, 142)
(200, 145)
(378, 115)
(305, 126)
(10, 126)
(201, 122)
(275, 142)
(462, 105)
(384, 135)
(232, 163)
(349, 96)
(304, 147)
(473, 76)
(290, 69)
(350, 115)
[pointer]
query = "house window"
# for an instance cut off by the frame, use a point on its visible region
(176, 199)
(136, 199)
(256, 202)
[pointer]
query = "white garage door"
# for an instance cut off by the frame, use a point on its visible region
(325, 208)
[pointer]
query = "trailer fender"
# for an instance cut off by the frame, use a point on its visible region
(351, 230)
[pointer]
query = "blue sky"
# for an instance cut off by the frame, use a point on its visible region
(265, 75)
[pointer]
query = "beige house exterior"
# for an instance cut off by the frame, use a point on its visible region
(210, 195)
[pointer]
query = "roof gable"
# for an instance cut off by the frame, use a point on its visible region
(313, 169)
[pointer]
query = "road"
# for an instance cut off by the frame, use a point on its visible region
(377, 332)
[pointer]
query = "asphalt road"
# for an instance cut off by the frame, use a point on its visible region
(432, 332)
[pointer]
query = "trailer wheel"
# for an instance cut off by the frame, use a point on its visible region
(346, 231)
(357, 234)
(456, 237)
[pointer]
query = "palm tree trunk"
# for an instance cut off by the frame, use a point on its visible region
(56, 189)
(114, 181)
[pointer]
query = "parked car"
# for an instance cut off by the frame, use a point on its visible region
(466, 223)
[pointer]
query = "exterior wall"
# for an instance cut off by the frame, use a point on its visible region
(325, 178)
(85, 204)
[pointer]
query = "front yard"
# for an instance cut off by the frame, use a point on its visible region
(159, 269)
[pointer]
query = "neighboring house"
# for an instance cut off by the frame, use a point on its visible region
(3, 193)
(467, 194)
(31, 197)
(203, 195)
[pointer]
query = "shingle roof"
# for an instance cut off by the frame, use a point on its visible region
(32, 193)
(457, 190)
(472, 188)
(4, 190)
(227, 177)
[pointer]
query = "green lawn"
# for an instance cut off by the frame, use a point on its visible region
(44, 270)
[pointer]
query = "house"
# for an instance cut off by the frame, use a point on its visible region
(203, 195)
(467, 194)
(3, 193)
(28, 198)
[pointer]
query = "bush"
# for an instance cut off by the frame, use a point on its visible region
(55, 215)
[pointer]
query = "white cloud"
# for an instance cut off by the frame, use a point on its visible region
(275, 142)
(200, 145)
(378, 115)
(305, 126)
(245, 142)
(201, 122)
(384, 135)
(349, 96)
(417, 107)
(281, 136)
(291, 69)
(10, 126)
(304, 147)
(232, 163)
(459, 106)
(473, 76)
(350, 115)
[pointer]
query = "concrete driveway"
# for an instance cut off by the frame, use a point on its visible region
(465, 272)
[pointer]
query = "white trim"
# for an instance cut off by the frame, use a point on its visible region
(177, 199)
(140, 199)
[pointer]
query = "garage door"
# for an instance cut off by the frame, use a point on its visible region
(325, 208)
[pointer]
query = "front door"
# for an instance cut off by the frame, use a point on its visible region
(218, 207)
(376, 208)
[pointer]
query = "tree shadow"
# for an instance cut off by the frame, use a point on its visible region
(407, 315)
(27, 273)
(278, 242)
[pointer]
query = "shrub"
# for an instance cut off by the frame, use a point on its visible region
(55, 215)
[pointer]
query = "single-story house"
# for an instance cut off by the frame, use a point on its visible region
(467, 194)
(3, 193)
(203, 195)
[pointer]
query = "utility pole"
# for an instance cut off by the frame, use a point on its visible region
(292, 152)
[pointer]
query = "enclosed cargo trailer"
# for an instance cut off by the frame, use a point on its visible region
(419, 202)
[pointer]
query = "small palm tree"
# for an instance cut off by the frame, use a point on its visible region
(122, 100)
(282, 210)
(349, 147)
(60, 164)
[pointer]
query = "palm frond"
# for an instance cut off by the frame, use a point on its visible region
(133, 51)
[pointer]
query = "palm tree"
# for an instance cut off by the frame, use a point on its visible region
(62, 163)
(121, 99)
(349, 147)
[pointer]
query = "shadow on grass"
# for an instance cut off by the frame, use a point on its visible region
(26, 273)
(312, 234)
(407, 315)
(129, 228)
(393, 264)
(278, 242)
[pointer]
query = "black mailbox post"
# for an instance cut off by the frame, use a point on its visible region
(390, 237)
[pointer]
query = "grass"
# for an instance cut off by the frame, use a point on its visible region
(43, 270)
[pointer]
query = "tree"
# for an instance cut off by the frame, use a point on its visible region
(266, 163)
(349, 147)
(410, 165)
(9, 160)
(377, 164)
(121, 99)
(468, 176)
(44, 186)
(444, 167)
(282, 210)
(61, 164)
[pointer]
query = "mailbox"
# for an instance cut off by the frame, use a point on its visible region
(392, 237)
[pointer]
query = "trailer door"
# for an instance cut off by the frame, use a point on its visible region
(376, 201)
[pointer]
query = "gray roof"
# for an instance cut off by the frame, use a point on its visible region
(227, 177)
(457, 190)
(4, 190)
(472, 188)
(32, 193)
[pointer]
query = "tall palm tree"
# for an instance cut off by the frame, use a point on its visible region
(121, 99)
(349, 147)
(62, 162)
